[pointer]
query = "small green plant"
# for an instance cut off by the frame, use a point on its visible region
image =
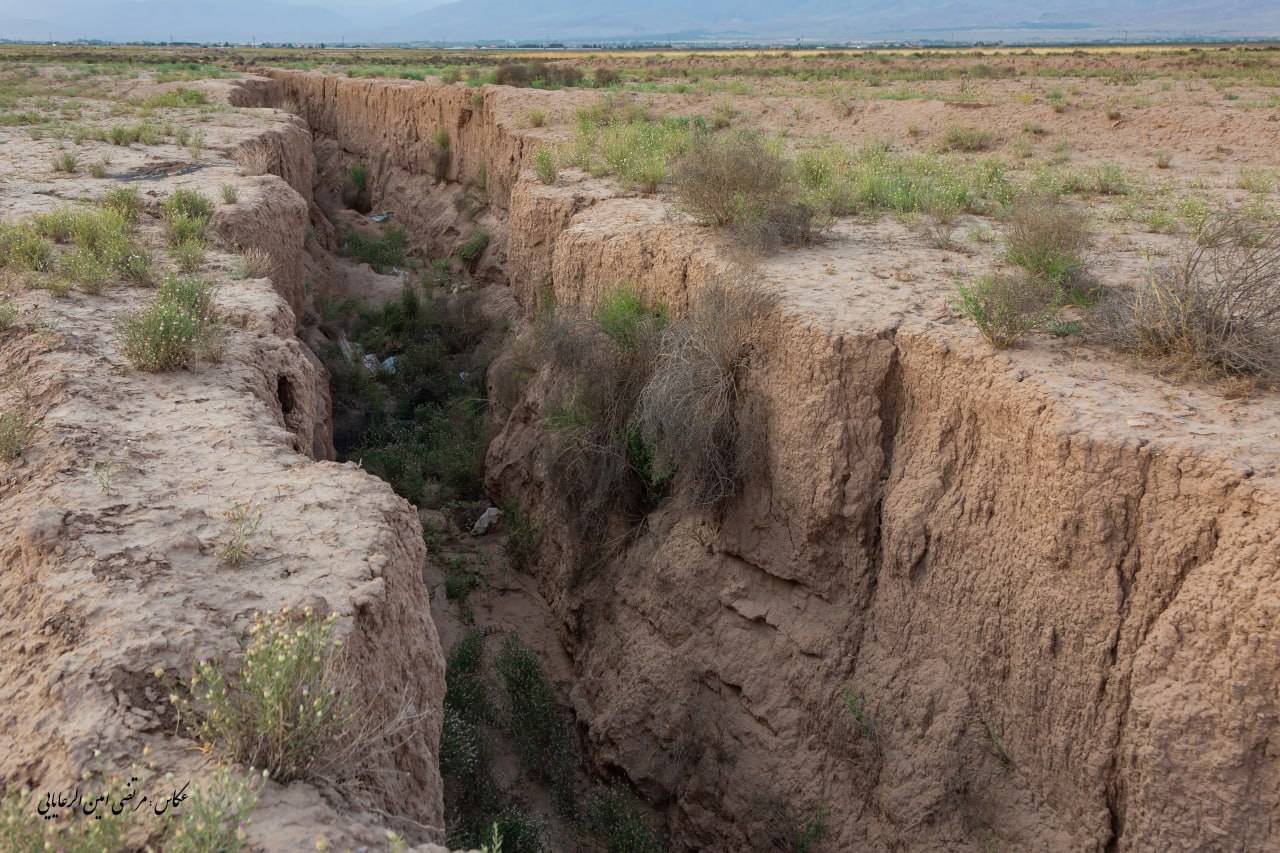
(1109, 179)
(230, 195)
(996, 737)
(188, 255)
(1163, 159)
(195, 145)
(8, 314)
(17, 428)
(82, 268)
(284, 708)
(382, 253)
(625, 316)
(856, 705)
(1257, 181)
(216, 814)
(1064, 328)
(441, 139)
(537, 118)
(98, 169)
(471, 249)
(125, 201)
(181, 228)
(104, 474)
(1048, 240)
(23, 248)
(544, 166)
(67, 162)
(103, 239)
(1005, 307)
(244, 519)
(181, 97)
(359, 176)
(178, 326)
(189, 203)
(494, 842)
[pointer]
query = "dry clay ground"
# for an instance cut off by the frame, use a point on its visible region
(887, 271)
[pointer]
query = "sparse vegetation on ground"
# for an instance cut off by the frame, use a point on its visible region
(877, 180)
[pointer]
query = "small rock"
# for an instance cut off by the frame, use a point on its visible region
(486, 521)
(370, 362)
(433, 519)
(1138, 422)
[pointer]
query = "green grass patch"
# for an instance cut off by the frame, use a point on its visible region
(383, 253)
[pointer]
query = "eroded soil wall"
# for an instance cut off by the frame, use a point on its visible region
(1056, 639)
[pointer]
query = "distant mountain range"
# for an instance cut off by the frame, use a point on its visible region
(335, 21)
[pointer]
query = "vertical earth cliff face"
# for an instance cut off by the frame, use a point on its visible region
(111, 526)
(1060, 630)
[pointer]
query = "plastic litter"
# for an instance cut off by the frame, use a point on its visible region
(486, 521)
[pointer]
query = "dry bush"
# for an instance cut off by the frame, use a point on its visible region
(970, 139)
(691, 409)
(600, 364)
(736, 180)
(1216, 311)
(254, 159)
(1048, 240)
(530, 73)
(253, 263)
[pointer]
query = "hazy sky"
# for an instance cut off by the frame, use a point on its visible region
(533, 20)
